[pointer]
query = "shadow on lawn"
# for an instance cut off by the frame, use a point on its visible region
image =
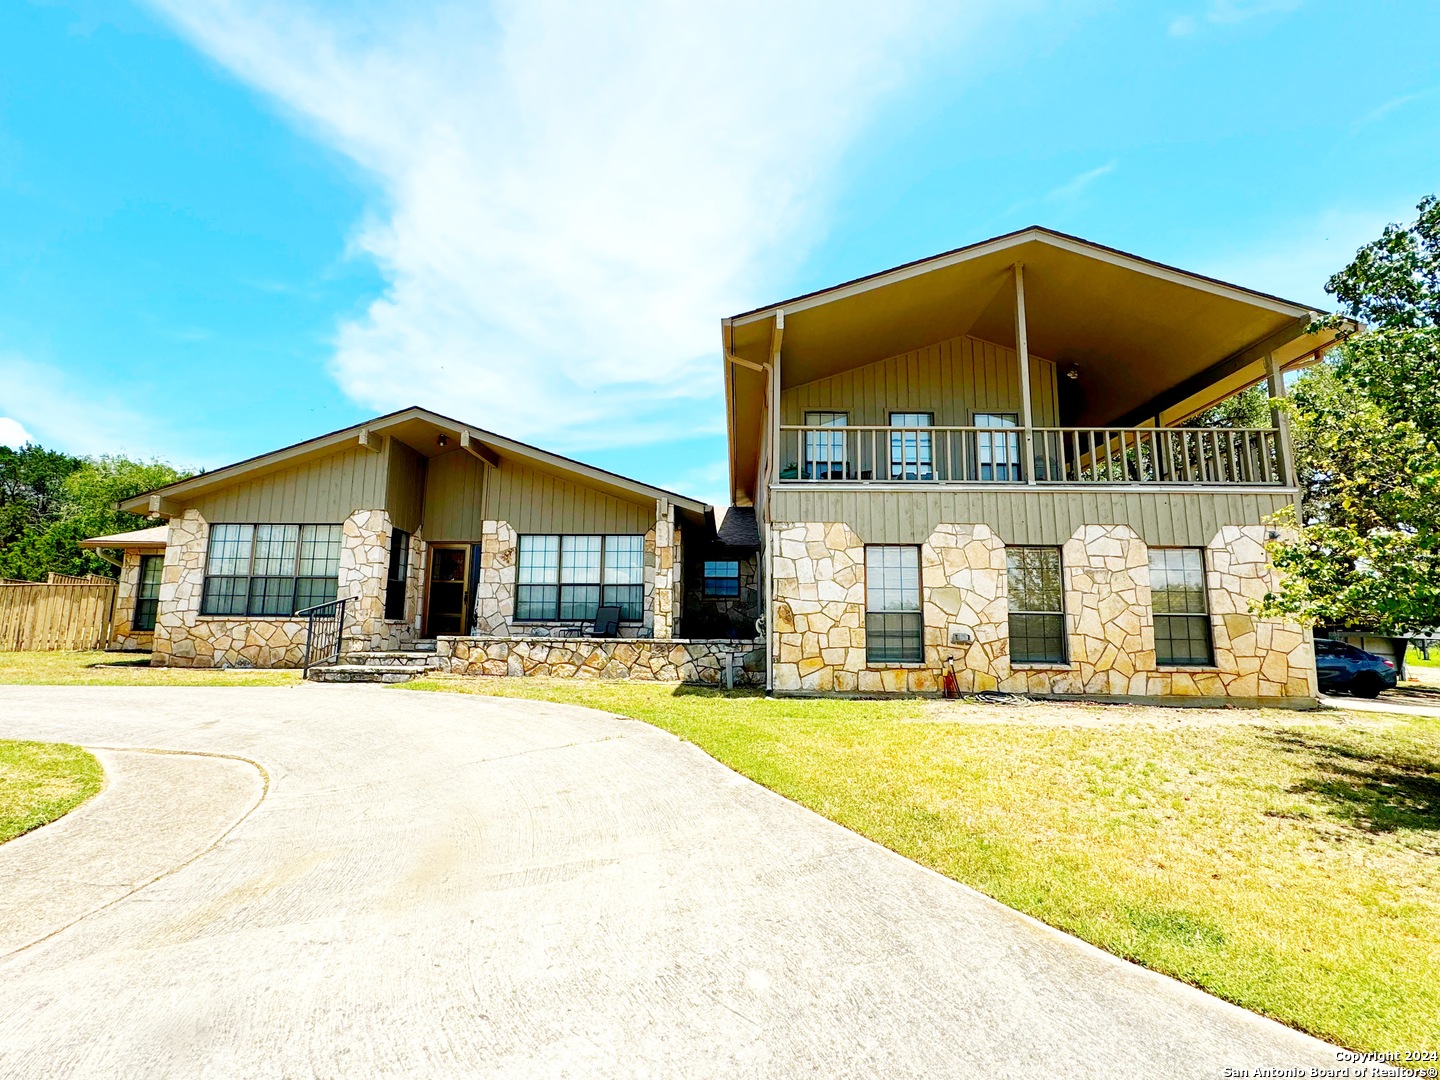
(1375, 791)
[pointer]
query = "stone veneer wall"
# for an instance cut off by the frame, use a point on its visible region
(641, 659)
(122, 634)
(185, 638)
(495, 584)
(819, 632)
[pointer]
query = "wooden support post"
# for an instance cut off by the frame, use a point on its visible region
(776, 337)
(1022, 351)
(1281, 420)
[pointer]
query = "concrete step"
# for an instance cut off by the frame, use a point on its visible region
(361, 673)
(417, 661)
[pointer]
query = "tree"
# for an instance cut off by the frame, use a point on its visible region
(1250, 408)
(1366, 546)
(50, 501)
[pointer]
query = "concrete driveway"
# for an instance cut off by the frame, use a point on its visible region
(372, 882)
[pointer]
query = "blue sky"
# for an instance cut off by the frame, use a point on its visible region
(226, 226)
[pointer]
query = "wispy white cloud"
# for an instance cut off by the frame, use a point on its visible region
(13, 433)
(1296, 262)
(1073, 187)
(48, 406)
(574, 193)
(1229, 13)
(1390, 106)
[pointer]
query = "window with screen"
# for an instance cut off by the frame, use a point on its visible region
(997, 452)
(1037, 610)
(569, 578)
(270, 570)
(894, 625)
(147, 592)
(1177, 595)
(396, 573)
(825, 450)
(910, 450)
(722, 578)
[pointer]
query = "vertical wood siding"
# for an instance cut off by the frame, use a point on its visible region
(540, 502)
(1166, 519)
(40, 617)
(404, 486)
(455, 498)
(327, 489)
(953, 379)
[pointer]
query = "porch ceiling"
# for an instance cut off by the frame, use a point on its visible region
(1135, 329)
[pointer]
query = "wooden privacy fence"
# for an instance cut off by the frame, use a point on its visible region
(69, 614)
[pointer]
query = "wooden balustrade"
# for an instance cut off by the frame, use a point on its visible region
(1194, 456)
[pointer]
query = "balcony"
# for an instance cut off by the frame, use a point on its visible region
(1194, 457)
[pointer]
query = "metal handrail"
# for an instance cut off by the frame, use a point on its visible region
(324, 633)
(1094, 455)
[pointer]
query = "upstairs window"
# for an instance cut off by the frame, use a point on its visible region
(722, 578)
(997, 452)
(147, 592)
(395, 575)
(1177, 595)
(569, 578)
(894, 625)
(910, 451)
(270, 570)
(825, 450)
(1037, 613)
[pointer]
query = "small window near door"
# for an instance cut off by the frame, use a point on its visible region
(722, 578)
(894, 625)
(910, 447)
(396, 574)
(824, 450)
(147, 592)
(997, 452)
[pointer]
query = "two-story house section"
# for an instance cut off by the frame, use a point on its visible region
(984, 459)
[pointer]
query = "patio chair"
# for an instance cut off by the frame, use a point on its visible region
(607, 622)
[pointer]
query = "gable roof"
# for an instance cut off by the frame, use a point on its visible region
(418, 428)
(1143, 335)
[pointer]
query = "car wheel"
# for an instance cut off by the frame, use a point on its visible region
(1367, 686)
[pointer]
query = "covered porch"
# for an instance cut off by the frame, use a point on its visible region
(1082, 366)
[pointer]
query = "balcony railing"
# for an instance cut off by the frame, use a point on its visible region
(971, 455)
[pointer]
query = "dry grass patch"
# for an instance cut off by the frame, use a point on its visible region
(124, 669)
(1289, 862)
(39, 782)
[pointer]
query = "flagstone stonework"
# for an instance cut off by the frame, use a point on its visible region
(123, 635)
(185, 638)
(819, 619)
(640, 659)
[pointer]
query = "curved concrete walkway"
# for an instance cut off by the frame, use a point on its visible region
(436, 885)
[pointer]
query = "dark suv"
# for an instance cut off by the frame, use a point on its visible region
(1346, 669)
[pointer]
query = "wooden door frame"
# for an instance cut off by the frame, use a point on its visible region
(467, 616)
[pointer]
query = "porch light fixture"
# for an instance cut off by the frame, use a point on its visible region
(1072, 371)
(442, 440)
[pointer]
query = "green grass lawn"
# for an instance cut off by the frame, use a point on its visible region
(1289, 862)
(41, 781)
(1414, 657)
(124, 669)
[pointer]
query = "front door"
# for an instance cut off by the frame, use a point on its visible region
(448, 599)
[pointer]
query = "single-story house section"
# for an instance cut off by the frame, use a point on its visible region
(137, 597)
(490, 555)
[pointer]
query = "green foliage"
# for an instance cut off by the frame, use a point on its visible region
(1367, 447)
(49, 501)
(1250, 408)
